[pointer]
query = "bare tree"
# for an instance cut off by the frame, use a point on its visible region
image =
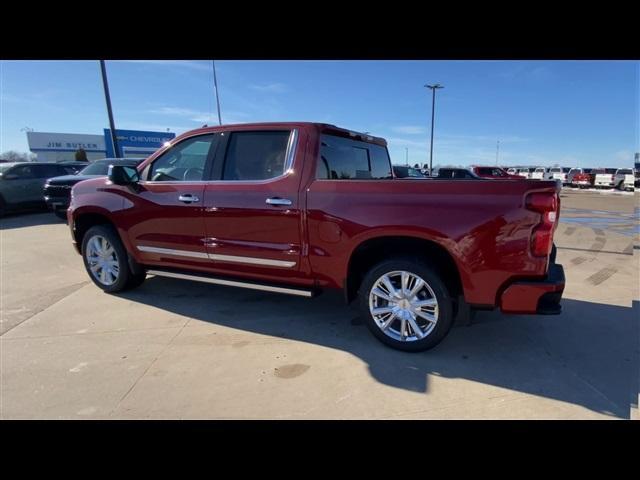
(13, 156)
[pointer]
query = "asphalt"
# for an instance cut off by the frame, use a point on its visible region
(176, 349)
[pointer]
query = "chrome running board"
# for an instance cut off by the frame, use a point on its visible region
(233, 283)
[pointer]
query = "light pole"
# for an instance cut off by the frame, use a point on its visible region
(112, 126)
(215, 84)
(497, 152)
(433, 111)
(406, 158)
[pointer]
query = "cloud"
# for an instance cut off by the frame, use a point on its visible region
(409, 129)
(624, 155)
(270, 87)
(200, 116)
(191, 64)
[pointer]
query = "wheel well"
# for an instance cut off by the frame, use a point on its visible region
(85, 221)
(373, 251)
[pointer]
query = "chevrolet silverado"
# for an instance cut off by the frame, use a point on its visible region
(297, 208)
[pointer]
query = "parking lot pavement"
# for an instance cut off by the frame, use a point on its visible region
(174, 349)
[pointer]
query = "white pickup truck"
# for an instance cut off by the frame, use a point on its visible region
(624, 179)
(559, 173)
(524, 172)
(606, 178)
(540, 173)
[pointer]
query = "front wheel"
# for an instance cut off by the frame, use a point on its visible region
(406, 305)
(106, 260)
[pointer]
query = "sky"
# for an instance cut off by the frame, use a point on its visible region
(572, 113)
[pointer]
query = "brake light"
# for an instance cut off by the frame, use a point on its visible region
(542, 236)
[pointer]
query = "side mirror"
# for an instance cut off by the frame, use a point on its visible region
(123, 175)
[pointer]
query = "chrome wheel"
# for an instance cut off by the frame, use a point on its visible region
(102, 260)
(403, 306)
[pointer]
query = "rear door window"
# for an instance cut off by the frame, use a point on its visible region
(256, 155)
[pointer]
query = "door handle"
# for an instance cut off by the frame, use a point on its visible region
(278, 201)
(188, 198)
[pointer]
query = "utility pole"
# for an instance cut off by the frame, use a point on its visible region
(433, 110)
(112, 126)
(406, 158)
(497, 152)
(215, 84)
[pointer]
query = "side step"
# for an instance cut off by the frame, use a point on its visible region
(196, 277)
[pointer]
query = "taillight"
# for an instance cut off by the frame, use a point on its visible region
(542, 237)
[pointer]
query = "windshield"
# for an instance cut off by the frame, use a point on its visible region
(575, 170)
(96, 168)
(625, 171)
(539, 169)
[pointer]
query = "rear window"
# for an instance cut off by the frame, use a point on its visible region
(610, 170)
(576, 170)
(346, 159)
(625, 171)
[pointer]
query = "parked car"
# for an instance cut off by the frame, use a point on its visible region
(605, 178)
(298, 208)
(58, 189)
(455, 173)
(583, 178)
(539, 173)
(559, 173)
(401, 171)
(493, 172)
(21, 183)
(524, 172)
(624, 179)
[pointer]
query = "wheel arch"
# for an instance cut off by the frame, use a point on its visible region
(373, 250)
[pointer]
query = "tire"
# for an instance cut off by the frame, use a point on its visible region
(118, 276)
(435, 288)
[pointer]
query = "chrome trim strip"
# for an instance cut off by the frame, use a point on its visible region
(231, 283)
(214, 256)
(170, 251)
(291, 150)
(251, 260)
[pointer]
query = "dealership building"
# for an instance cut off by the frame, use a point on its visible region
(62, 147)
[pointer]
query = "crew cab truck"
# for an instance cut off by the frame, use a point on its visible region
(297, 208)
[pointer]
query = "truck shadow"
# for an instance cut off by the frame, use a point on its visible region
(28, 218)
(587, 356)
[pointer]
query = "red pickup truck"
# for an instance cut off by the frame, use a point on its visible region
(297, 208)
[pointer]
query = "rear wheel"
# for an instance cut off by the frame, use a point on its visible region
(106, 260)
(406, 305)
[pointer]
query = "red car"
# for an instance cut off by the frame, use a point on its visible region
(493, 172)
(298, 208)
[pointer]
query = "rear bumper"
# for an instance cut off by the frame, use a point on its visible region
(535, 296)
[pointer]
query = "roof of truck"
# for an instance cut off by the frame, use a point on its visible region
(323, 127)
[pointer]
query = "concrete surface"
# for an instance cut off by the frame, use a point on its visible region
(175, 349)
